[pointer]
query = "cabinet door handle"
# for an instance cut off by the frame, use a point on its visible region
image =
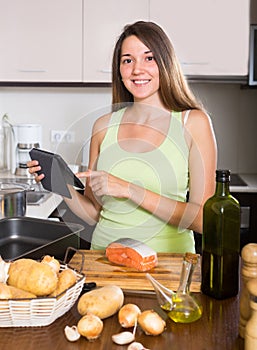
(195, 63)
(32, 70)
(105, 70)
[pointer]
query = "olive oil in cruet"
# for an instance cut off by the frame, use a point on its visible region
(182, 306)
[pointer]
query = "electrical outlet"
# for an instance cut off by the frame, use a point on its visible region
(62, 136)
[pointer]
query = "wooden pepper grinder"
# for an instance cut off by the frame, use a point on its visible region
(248, 272)
(251, 326)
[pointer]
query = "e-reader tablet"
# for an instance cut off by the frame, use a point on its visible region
(57, 172)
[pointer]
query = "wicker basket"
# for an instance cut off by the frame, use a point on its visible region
(39, 311)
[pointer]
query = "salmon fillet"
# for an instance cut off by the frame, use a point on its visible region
(131, 253)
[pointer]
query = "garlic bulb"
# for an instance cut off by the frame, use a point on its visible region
(71, 333)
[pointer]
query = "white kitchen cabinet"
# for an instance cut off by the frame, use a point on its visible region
(103, 23)
(211, 37)
(73, 40)
(41, 40)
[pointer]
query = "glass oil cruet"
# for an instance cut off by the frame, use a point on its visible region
(181, 306)
(164, 295)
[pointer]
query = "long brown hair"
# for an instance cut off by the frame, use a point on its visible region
(174, 90)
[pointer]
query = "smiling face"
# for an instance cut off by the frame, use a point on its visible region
(139, 71)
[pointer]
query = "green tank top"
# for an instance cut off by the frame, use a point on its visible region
(163, 170)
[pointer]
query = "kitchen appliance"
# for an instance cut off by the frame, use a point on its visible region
(25, 137)
(12, 199)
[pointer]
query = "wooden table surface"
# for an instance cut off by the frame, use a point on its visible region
(217, 329)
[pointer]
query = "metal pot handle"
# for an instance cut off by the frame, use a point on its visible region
(68, 250)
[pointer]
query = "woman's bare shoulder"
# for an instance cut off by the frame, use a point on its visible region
(197, 119)
(198, 127)
(98, 133)
(100, 126)
(101, 123)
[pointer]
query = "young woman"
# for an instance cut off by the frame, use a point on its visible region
(153, 159)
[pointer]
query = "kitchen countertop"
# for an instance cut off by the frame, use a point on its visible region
(217, 329)
(251, 182)
(44, 209)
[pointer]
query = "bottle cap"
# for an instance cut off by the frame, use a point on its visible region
(222, 175)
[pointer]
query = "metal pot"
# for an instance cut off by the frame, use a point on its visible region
(12, 199)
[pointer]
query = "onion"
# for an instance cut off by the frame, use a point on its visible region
(128, 314)
(51, 261)
(90, 326)
(151, 322)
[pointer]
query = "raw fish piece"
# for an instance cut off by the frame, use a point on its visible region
(132, 253)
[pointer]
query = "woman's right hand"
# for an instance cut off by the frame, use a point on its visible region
(34, 167)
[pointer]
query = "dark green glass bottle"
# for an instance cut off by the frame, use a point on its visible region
(221, 241)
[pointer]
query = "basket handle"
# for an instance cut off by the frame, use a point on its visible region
(68, 250)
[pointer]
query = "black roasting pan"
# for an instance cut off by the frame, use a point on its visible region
(25, 237)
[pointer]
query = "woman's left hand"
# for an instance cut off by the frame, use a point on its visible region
(103, 183)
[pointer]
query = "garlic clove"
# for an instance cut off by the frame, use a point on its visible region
(71, 333)
(123, 338)
(136, 346)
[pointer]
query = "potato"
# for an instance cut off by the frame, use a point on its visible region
(5, 292)
(66, 279)
(32, 276)
(9, 292)
(18, 293)
(102, 302)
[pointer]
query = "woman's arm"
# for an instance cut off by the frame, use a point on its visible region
(88, 207)
(202, 165)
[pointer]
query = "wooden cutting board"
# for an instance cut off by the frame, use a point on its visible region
(98, 269)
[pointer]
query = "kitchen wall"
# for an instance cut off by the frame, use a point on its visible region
(233, 111)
